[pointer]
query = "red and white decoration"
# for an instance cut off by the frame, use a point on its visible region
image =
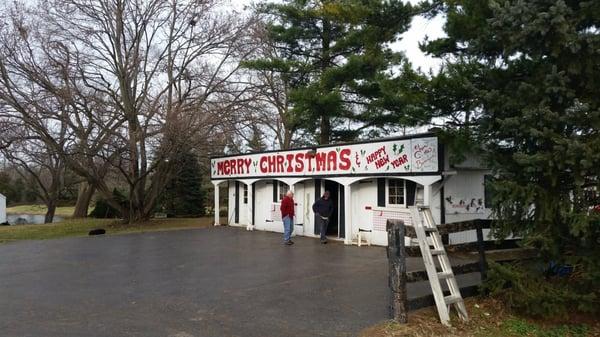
(417, 155)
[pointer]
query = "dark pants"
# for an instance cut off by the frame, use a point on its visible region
(324, 223)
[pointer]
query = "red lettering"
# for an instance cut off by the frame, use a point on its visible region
(369, 158)
(220, 168)
(226, 167)
(376, 154)
(331, 161)
(290, 157)
(240, 166)
(400, 161)
(248, 161)
(345, 159)
(320, 161)
(272, 163)
(263, 165)
(299, 162)
(280, 161)
(232, 166)
(382, 161)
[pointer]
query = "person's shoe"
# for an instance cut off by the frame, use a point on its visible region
(291, 242)
(288, 243)
(324, 242)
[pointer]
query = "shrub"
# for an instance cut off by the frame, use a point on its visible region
(533, 290)
(103, 209)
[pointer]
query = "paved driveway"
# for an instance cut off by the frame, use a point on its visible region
(206, 282)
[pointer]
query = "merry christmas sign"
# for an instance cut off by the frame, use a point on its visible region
(416, 155)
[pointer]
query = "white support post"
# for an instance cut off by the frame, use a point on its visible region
(217, 208)
(348, 214)
(250, 225)
(426, 195)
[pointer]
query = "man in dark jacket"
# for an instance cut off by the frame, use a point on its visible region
(323, 208)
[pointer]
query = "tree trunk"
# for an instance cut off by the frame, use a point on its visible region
(287, 139)
(84, 197)
(325, 135)
(50, 212)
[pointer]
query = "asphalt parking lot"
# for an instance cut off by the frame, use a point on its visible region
(219, 281)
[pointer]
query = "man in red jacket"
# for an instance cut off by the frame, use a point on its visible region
(287, 214)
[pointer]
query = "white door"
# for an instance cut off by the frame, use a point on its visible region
(299, 210)
(244, 202)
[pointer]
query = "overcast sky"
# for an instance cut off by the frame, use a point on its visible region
(420, 28)
(409, 44)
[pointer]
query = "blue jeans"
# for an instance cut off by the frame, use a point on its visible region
(288, 227)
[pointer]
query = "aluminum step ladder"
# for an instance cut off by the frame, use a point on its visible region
(431, 245)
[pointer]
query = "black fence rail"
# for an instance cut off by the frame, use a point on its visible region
(397, 253)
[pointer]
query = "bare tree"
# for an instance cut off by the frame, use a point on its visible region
(269, 105)
(85, 192)
(34, 161)
(134, 80)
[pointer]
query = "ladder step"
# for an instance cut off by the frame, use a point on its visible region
(452, 299)
(438, 252)
(445, 275)
(430, 229)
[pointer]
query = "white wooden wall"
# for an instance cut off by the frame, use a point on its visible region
(244, 217)
(230, 203)
(364, 194)
(303, 197)
(465, 185)
(466, 190)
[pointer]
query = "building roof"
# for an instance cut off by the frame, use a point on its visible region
(376, 140)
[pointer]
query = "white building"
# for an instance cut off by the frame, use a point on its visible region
(2, 208)
(369, 183)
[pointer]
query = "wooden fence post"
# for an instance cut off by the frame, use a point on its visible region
(397, 271)
(481, 250)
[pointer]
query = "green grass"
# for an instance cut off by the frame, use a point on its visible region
(65, 211)
(488, 317)
(81, 227)
(520, 327)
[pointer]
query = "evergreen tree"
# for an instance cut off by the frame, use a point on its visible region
(526, 73)
(336, 57)
(104, 210)
(9, 188)
(184, 195)
(256, 142)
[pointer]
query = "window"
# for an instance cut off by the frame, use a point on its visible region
(396, 191)
(283, 188)
(245, 194)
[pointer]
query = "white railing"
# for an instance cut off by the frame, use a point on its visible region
(382, 214)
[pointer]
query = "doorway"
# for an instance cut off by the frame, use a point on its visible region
(335, 229)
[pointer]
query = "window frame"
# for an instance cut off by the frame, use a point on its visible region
(282, 189)
(245, 194)
(387, 192)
